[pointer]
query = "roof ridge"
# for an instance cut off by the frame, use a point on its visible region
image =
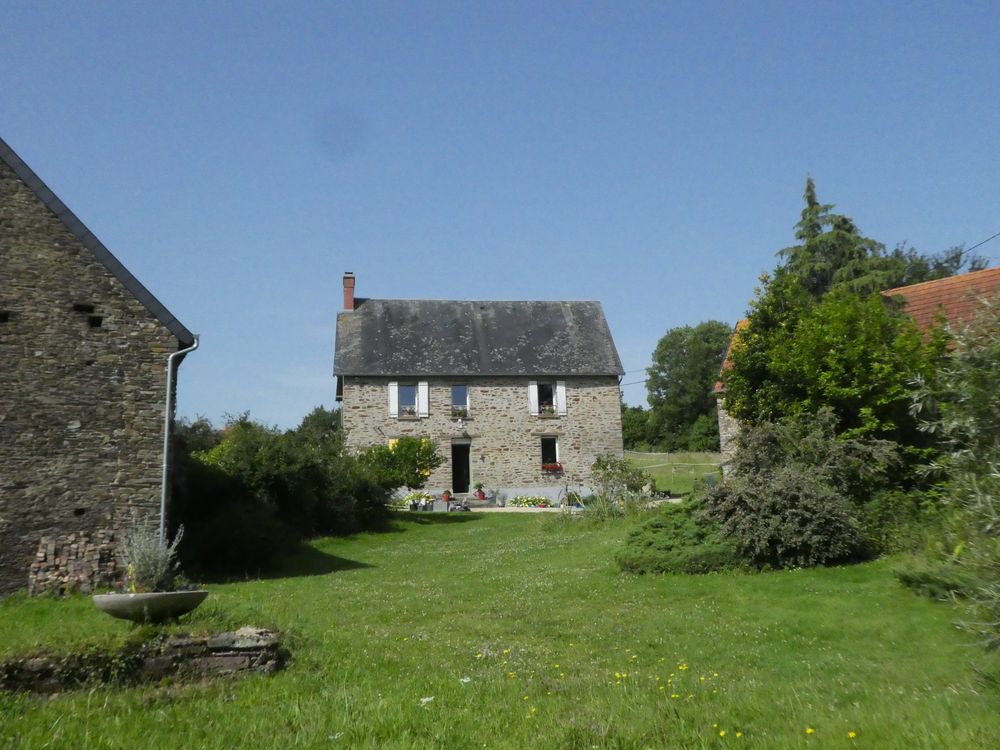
(493, 301)
(957, 277)
(89, 240)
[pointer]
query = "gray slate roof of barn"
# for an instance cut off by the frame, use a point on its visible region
(76, 227)
(393, 337)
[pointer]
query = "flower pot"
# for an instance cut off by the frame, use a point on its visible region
(155, 606)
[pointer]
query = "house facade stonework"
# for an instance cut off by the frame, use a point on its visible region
(83, 354)
(521, 397)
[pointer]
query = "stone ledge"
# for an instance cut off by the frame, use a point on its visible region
(245, 651)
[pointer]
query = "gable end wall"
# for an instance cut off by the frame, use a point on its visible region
(81, 411)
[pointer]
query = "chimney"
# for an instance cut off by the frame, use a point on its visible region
(348, 290)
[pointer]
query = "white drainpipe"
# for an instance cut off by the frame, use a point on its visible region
(166, 436)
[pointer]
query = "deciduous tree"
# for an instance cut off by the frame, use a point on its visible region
(685, 367)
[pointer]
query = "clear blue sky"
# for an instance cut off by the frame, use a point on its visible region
(239, 157)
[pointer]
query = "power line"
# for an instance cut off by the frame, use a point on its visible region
(636, 382)
(993, 237)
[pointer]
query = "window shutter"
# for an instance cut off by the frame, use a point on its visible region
(561, 397)
(423, 399)
(533, 398)
(394, 400)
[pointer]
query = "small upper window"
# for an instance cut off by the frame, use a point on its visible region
(460, 401)
(546, 398)
(407, 399)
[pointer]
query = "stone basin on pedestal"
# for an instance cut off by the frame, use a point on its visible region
(151, 607)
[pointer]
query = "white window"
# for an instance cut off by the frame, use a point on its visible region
(408, 400)
(547, 398)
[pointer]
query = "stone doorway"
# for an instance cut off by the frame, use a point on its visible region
(460, 468)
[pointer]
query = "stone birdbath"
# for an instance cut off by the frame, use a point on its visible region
(150, 607)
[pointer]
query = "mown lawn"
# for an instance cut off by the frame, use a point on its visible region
(515, 631)
(676, 472)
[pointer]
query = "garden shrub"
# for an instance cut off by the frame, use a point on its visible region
(897, 520)
(228, 530)
(256, 491)
(677, 539)
(615, 477)
(796, 490)
(960, 407)
(787, 519)
(406, 462)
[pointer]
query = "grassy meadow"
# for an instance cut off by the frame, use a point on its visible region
(516, 631)
(676, 472)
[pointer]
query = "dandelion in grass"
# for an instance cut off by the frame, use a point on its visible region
(722, 732)
(852, 735)
(675, 696)
(739, 734)
(810, 730)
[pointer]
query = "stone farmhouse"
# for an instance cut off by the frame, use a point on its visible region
(84, 356)
(519, 396)
(949, 301)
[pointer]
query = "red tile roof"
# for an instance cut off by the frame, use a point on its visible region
(727, 363)
(954, 298)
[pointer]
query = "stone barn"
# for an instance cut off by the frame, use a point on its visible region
(84, 350)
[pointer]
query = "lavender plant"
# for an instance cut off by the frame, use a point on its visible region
(150, 565)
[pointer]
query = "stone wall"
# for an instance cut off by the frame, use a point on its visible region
(729, 429)
(194, 657)
(83, 368)
(505, 440)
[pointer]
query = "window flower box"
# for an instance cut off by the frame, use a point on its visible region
(552, 468)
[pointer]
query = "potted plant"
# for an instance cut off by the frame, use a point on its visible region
(153, 589)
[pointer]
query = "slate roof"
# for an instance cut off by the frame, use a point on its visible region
(76, 227)
(462, 338)
(956, 297)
